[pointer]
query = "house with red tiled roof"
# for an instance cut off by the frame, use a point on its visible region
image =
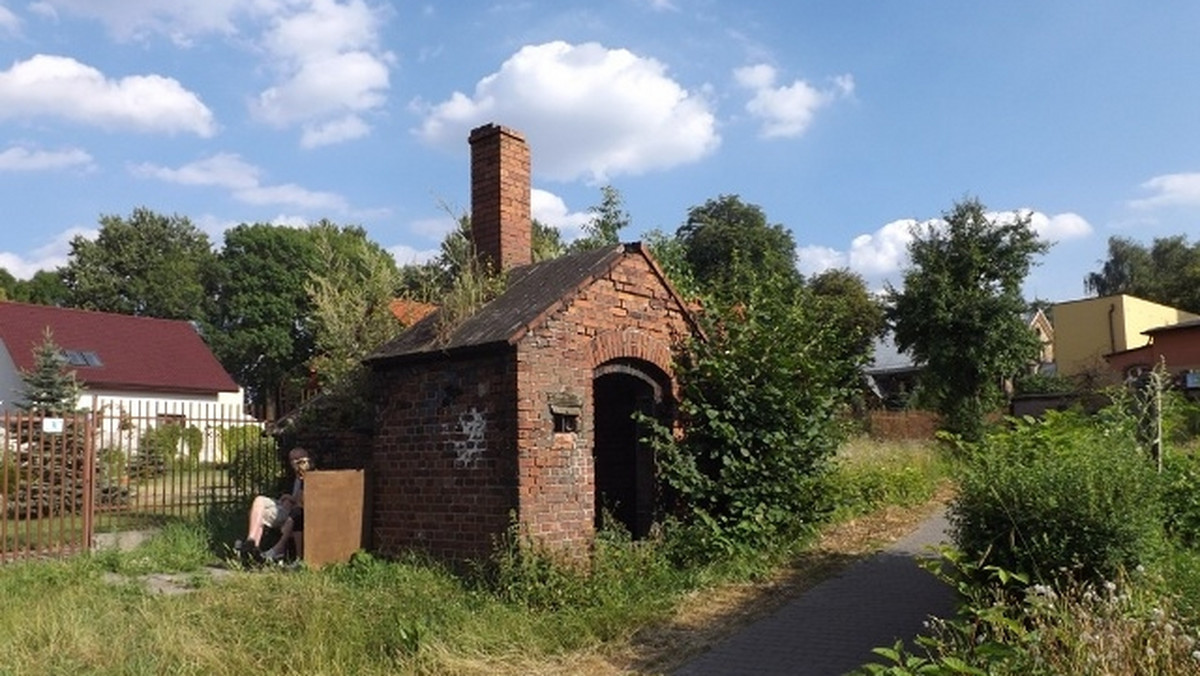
(129, 367)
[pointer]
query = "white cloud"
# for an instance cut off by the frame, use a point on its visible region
(291, 195)
(335, 131)
(813, 260)
(1060, 227)
(788, 110)
(1170, 190)
(60, 86)
(47, 257)
(325, 55)
(883, 253)
(138, 19)
(331, 70)
(229, 171)
(25, 159)
(663, 5)
(406, 255)
(587, 111)
(550, 209)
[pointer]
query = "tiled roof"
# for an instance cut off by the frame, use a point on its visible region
(532, 292)
(135, 353)
(409, 312)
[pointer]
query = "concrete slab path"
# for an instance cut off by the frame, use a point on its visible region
(830, 629)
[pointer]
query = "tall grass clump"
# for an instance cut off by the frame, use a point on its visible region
(870, 475)
(1066, 493)
(1007, 626)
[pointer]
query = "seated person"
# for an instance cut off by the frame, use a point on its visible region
(266, 512)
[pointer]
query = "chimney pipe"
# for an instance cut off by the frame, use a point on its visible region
(501, 227)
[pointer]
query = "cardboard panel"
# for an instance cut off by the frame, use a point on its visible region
(334, 515)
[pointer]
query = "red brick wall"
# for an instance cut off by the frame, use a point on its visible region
(501, 226)
(435, 491)
(443, 479)
(627, 314)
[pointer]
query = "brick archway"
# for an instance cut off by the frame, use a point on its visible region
(631, 343)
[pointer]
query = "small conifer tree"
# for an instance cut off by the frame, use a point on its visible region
(50, 388)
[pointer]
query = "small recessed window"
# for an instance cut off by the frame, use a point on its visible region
(564, 410)
(565, 423)
(81, 358)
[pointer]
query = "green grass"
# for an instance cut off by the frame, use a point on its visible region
(93, 614)
(872, 474)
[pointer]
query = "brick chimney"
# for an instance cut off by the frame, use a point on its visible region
(501, 227)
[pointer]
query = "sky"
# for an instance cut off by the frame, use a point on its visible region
(846, 122)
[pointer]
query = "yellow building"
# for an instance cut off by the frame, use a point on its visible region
(1086, 330)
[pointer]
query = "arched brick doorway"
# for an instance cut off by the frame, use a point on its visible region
(624, 467)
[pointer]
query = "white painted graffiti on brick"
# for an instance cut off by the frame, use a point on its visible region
(470, 439)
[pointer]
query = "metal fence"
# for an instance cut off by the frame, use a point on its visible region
(124, 464)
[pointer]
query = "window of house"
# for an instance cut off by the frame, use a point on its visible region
(82, 358)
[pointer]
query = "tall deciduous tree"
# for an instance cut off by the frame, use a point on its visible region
(960, 311)
(147, 265)
(855, 316)
(726, 229)
(1167, 271)
(260, 328)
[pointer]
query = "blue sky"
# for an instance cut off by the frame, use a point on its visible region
(845, 121)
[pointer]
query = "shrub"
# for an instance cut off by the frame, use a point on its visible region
(254, 465)
(1181, 497)
(759, 406)
(1068, 492)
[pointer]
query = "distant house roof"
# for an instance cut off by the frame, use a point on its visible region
(1189, 324)
(113, 351)
(533, 291)
(409, 312)
(886, 357)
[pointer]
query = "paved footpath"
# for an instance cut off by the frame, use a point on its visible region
(831, 628)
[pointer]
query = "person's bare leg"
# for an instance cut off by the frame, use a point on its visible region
(258, 510)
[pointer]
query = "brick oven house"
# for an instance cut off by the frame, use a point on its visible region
(522, 413)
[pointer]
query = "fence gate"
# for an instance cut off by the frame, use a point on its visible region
(46, 482)
(124, 466)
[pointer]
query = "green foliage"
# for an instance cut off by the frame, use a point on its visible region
(1181, 497)
(49, 388)
(254, 465)
(260, 327)
(1167, 272)
(1007, 627)
(350, 296)
(44, 288)
(855, 316)
(1043, 383)
(608, 219)
(724, 229)
(147, 265)
(758, 405)
(1042, 497)
(960, 310)
(896, 474)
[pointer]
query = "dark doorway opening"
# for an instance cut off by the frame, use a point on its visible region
(625, 478)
